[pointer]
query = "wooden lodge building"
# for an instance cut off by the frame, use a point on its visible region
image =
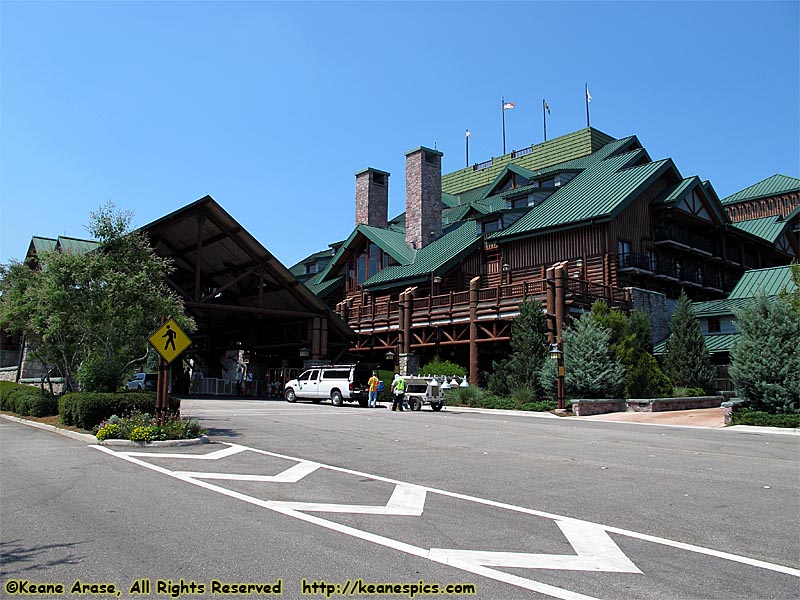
(569, 221)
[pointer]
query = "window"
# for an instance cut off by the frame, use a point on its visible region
(623, 252)
(714, 325)
(378, 178)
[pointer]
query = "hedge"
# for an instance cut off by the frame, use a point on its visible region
(87, 409)
(26, 400)
(745, 416)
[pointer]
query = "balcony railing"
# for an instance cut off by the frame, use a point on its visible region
(384, 312)
(668, 234)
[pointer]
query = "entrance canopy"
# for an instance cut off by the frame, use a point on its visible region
(240, 295)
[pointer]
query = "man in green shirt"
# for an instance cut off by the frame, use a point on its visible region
(398, 392)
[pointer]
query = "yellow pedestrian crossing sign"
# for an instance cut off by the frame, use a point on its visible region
(169, 340)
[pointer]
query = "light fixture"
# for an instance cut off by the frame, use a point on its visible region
(464, 383)
(506, 267)
(555, 351)
(437, 280)
(304, 352)
(445, 385)
(389, 355)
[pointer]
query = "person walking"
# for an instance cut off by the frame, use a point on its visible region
(373, 390)
(398, 392)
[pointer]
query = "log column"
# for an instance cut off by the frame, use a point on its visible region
(473, 330)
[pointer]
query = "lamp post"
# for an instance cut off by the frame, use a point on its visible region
(506, 273)
(557, 354)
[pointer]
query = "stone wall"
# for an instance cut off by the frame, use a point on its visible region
(657, 307)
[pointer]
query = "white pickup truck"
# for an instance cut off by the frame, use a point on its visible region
(337, 383)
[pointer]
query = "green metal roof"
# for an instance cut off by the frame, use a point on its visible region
(672, 195)
(716, 343)
(771, 186)
(599, 192)
(567, 147)
(76, 245)
(767, 228)
(320, 288)
(773, 281)
(436, 257)
(42, 244)
(718, 308)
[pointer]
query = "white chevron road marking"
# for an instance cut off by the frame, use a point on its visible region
(596, 551)
(291, 475)
(216, 455)
(407, 501)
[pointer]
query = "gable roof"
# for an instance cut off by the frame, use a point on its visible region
(599, 192)
(567, 147)
(773, 281)
(435, 258)
(680, 195)
(767, 228)
(771, 186)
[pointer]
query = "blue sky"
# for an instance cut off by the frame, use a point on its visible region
(271, 108)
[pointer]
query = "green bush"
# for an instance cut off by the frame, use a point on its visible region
(475, 397)
(745, 416)
(26, 400)
(684, 392)
(86, 410)
(442, 367)
(142, 427)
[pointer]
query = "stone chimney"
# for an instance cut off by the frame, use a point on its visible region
(372, 198)
(423, 196)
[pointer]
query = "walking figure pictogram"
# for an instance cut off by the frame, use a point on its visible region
(170, 335)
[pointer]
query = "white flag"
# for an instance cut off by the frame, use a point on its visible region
(588, 95)
(468, 134)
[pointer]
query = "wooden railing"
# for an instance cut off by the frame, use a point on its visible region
(386, 312)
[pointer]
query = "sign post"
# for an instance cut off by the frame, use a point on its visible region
(169, 341)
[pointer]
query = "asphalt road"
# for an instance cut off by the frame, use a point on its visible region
(519, 506)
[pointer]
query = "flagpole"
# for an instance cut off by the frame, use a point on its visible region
(503, 110)
(586, 89)
(544, 119)
(467, 147)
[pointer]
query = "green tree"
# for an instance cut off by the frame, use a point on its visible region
(765, 361)
(528, 352)
(687, 360)
(591, 368)
(631, 343)
(90, 314)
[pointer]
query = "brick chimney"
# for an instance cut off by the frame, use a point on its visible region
(372, 198)
(423, 196)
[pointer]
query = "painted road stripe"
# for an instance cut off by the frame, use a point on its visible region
(291, 475)
(596, 551)
(437, 556)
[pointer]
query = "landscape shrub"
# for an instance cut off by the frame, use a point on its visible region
(475, 397)
(142, 427)
(86, 410)
(684, 392)
(26, 400)
(745, 416)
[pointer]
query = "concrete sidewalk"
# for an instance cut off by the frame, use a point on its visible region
(712, 418)
(708, 418)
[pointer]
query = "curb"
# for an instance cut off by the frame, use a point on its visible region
(90, 439)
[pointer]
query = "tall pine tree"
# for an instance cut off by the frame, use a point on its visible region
(687, 361)
(528, 352)
(765, 362)
(591, 368)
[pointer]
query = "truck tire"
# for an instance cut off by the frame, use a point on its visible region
(437, 407)
(416, 404)
(336, 398)
(290, 395)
